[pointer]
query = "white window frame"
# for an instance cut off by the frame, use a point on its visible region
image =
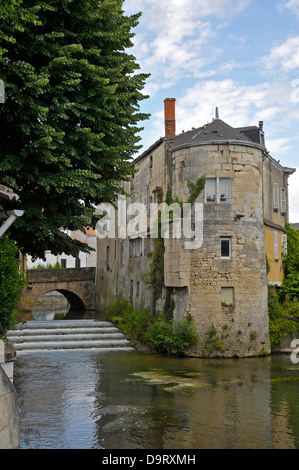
(218, 201)
(230, 247)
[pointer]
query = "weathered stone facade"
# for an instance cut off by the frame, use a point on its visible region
(9, 414)
(223, 283)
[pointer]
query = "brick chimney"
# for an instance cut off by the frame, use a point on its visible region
(169, 113)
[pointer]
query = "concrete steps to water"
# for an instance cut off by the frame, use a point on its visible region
(67, 335)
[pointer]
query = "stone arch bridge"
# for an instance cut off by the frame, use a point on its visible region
(76, 284)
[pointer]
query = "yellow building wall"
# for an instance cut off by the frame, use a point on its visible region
(276, 274)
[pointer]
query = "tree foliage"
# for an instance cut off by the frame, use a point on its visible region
(11, 281)
(290, 286)
(69, 124)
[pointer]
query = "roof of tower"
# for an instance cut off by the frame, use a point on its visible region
(218, 131)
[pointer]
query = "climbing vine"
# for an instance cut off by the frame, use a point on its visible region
(194, 191)
(156, 276)
(196, 188)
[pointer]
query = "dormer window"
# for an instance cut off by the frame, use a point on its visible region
(262, 138)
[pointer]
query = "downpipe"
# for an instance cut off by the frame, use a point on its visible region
(12, 215)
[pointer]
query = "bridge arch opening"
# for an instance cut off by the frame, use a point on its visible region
(58, 303)
(76, 303)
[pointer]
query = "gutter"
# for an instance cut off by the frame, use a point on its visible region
(218, 142)
(12, 215)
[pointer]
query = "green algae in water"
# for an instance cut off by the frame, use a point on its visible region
(283, 380)
(172, 383)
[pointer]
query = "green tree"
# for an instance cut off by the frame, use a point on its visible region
(291, 258)
(69, 125)
(290, 287)
(12, 18)
(11, 281)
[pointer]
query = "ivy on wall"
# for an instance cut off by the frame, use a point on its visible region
(156, 277)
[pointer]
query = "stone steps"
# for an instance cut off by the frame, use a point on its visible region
(66, 335)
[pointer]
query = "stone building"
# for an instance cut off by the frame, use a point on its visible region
(223, 282)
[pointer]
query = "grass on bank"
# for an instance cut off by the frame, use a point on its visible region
(283, 317)
(158, 332)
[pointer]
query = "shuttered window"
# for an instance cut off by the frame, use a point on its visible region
(283, 201)
(276, 246)
(275, 196)
(284, 243)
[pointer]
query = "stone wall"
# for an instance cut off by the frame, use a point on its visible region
(238, 326)
(275, 217)
(76, 284)
(198, 279)
(9, 414)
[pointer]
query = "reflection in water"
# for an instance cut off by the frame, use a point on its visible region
(130, 400)
(54, 306)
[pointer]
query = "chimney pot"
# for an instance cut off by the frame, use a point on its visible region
(169, 116)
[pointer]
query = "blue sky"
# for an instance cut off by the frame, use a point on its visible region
(239, 55)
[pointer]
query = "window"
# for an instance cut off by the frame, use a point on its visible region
(63, 262)
(225, 247)
(145, 198)
(262, 138)
(135, 247)
(107, 256)
(284, 243)
(276, 246)
(224, 186)
(137, 289)
(211, 190)
(218, 190)
(122, 252)
(132, 247)
(131, 290)
(77, 263)
(283, 201)
(227, 296)
(275, 197)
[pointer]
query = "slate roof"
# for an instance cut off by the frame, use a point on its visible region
(217, 130)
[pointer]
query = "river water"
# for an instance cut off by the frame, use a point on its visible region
(132, 400)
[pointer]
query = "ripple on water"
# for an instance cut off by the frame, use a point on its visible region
(123, 400)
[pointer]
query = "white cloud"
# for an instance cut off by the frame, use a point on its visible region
(285, 56)
(294, 197)
(170, 41)
(279, 146)
(292, 5)
(239, 105)
(197, 8)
